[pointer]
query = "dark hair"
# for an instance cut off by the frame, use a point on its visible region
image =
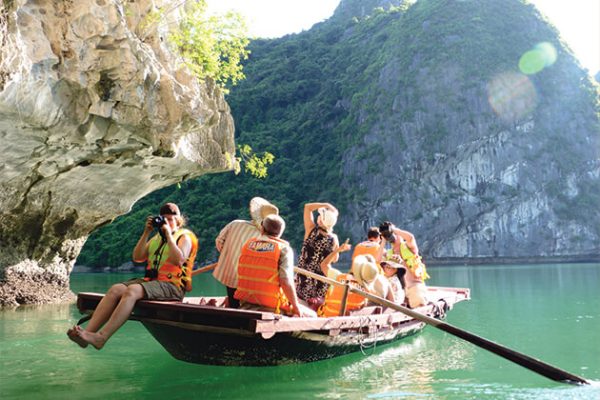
(373, 233)
(273, 225)
(386, 230)
(385, 227)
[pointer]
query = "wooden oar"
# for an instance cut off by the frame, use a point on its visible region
(523, 360)
(209, 267)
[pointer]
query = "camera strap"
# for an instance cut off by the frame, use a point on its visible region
(158, 253)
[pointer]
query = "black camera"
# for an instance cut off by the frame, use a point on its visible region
(159, 221)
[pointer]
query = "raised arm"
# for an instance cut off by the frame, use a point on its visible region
(178, 252)
(309, 220)
(410, 240)
(140, 251)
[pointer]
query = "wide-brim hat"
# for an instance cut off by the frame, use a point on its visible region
(365, 270)
(260, 208)
(392, 264)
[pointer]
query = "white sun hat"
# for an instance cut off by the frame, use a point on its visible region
(327, 217)
(260, 208)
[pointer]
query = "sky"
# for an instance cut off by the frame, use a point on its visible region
(578, 21)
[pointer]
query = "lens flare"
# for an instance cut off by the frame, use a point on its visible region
(549, 52)
(532, 62)
(541, 56)
(512, 96)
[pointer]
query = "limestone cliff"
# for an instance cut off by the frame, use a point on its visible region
(95, 113)
(478, 153)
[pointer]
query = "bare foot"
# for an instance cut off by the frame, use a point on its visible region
(72, 334)
(95, 339)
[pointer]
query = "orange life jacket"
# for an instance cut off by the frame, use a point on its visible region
(258, 274)
(159, 269)
(332, 306)
(366, 247)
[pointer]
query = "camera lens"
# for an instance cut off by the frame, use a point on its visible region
(159, 221)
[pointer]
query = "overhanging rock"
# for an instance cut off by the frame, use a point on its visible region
(94, 114)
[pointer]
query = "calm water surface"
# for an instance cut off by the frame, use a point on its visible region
(551, 312)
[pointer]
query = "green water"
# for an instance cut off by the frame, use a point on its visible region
(551, 312)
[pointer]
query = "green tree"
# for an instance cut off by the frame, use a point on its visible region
(212, 46)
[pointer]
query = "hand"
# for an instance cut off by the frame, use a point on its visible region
(397, 258)
(148, 226)
(165, 230)
(344, 247)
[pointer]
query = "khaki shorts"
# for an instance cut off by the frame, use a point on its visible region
(157, 290)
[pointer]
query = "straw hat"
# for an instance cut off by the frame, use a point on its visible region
(260, 208)
(327, 217)
(365, 270)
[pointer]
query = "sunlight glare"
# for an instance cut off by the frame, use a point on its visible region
(541, 56)
(512, 96)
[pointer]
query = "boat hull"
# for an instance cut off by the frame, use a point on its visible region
(224, 348)
(203, 331)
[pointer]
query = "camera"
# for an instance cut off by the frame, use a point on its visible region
(159, 221)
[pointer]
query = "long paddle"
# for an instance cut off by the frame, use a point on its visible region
(209, 267)
(523, 360)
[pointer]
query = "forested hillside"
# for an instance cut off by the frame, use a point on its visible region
(428, 114)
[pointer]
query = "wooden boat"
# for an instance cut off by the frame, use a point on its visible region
(196, 332)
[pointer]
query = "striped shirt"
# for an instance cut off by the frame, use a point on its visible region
(229, 243)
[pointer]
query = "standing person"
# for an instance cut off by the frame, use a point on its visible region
(404, 246)
(319, 242)
(230, 241)
(170, 255)
(266, 272)
(370, 246)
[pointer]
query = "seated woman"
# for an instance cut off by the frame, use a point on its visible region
(170, 256)
(394, 272)
(371, 277)
(319, 242)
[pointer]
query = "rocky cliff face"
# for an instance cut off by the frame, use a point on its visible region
(94, 114)
(468, 146)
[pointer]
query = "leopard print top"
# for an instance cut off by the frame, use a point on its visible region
(315, 248)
